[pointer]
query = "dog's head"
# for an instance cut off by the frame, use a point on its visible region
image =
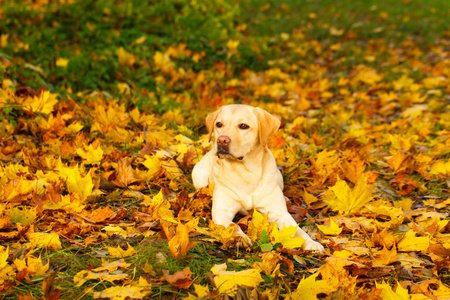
(239, 129)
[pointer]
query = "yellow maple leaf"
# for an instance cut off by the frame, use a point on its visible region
(219, 233)
(92, 154)
(269, 262)
(81, 277)
(4, 254)
(110, 120)
(440, 167)
(309, 288)
(121, 253)
(227, 281)
(49, 241)
(25, 216)
(258, 224)
(125, 58)
(335, 273)
(43, 103)
(62, 62)
(122, 292)
(31, 265)
(383, 210)
(384, 238)
(368, 75)
(115, 230)
(159, 208)
(75, 182)
(153, 164)
(324, 165)
(388, 294)
(112, 266)
(163, 62)
(403, 82)
(16, 188)
(6, 271)
(385, 257)
(232, 46)
(333, 229)
(410, 242)
(70, 203)
(200, 290)
(342, 198)
(286, 237)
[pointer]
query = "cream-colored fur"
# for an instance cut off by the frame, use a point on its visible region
(244, 173)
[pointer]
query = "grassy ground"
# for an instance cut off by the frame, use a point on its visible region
(361, 88)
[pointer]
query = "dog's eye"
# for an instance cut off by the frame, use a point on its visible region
(243, 126)
(218, 124)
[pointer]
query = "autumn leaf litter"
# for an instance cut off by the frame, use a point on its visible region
(364, 151)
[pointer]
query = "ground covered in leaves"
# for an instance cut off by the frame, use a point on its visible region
(101, 122)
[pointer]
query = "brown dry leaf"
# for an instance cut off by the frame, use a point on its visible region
(404, 184)
(353, 169)
(181, 279)
(125, 174)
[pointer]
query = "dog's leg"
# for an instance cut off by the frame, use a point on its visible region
(223, 214)
(201, 174)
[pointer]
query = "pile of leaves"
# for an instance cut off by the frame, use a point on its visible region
(97, 147)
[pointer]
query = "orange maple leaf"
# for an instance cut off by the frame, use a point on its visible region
(179, 245)
(125, 174)
(181, 279)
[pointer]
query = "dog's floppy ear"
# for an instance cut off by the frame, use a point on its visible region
(267, 125)
(210, 121)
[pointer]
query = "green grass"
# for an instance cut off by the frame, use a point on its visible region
(89, 32)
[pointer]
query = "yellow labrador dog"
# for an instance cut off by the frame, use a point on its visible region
(243, 169)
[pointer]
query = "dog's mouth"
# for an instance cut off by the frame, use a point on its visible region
(224, 152)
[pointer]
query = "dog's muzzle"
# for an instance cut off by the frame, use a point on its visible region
(223, 148)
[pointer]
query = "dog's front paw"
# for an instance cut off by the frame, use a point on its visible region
(311, 245)
(244, 241)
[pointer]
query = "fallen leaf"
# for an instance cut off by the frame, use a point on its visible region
(181, 279)
(332, 229)
(227, 281)
(310, 288)
(342, 198)
(410, 242)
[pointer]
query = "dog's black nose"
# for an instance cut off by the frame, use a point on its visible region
(223, 140)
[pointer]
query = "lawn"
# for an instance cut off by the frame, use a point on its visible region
(102, 109)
